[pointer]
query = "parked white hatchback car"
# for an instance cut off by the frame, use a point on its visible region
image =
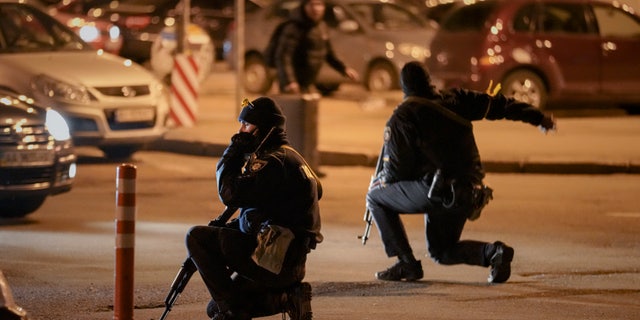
(109, 102)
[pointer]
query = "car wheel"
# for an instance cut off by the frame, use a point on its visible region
(120, 152)
(257, 76)
(525, 86)
(381, 77)
(20, 206)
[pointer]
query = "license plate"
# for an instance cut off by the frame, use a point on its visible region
(135, 115)
(27, 158)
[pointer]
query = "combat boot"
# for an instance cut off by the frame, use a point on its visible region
(500, 263)
(298, 304)
(410, 271)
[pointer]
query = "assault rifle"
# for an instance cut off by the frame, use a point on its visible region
(367, 213)
(189, 268)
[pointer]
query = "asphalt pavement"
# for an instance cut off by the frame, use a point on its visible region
(558, 276)
(346, 130)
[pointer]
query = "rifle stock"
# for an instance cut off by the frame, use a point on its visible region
(188, 269)
(367, 213)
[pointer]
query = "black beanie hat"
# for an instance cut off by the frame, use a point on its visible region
(264, 113)
(415, 80)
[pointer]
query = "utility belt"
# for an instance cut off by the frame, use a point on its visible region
(451, 194)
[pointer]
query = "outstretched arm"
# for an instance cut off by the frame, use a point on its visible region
(475, 105)
(337, 64)
(501, 107)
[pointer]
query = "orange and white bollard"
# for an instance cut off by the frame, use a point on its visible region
(125, 241)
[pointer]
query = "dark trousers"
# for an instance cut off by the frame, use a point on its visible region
(218, 252)
(443, 227)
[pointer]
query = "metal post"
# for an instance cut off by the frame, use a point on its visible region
(125, 241)
(239, 43)
(186, 20)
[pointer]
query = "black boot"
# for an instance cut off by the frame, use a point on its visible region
(500, 263)
(410, 271)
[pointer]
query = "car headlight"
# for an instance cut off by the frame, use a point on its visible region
(57, 126)
(114, 33)
(89, 33)
(56, 89)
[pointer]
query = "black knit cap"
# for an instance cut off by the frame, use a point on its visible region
(415, 79)
(264, 113)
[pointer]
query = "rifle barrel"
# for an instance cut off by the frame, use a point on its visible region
(187, 269)
(367, 212)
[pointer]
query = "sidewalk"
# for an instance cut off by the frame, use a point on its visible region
(351, 122)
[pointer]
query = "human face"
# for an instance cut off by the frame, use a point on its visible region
(314, 9)
(247, 127)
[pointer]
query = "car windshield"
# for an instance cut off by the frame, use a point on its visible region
(25, 29)
(385, 16)
(468, 17)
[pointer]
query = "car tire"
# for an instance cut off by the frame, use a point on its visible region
(257, 76)
(525, 86)
(18, 207)
(381, 76)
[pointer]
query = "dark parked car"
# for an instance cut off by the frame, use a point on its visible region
(375, 37)
(142, 21)
(37, 157)
(545, 52)
(99, 33)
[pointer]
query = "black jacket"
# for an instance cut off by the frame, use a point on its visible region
(276, 186)
(302, 48)
(420, 137)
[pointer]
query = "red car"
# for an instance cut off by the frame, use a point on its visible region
(545, 52)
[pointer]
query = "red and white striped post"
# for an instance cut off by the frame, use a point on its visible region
(125, 241)
(184, 91)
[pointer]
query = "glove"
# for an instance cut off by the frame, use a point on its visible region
(243, 142)
(547, 124)
(217, 222)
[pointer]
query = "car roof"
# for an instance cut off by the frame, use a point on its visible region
(464, 3)
(616, 3)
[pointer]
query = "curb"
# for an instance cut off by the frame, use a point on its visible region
(337, 158)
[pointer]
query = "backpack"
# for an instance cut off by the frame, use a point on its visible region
(270, 51)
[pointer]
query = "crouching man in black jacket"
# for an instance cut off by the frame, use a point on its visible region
(277, 193)
(431, 165)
